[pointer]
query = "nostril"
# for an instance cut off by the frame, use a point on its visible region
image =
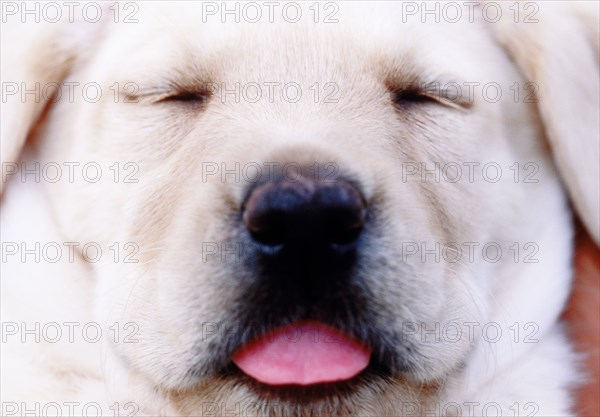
(265, 230)
(305, 211)
(265, 212)
(342, 213)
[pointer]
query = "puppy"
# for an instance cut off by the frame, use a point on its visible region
(334, 209)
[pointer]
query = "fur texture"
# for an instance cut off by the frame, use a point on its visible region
(173, 292)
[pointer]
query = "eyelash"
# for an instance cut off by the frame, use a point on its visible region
(185, 97)
(405, 98)
(412, 97)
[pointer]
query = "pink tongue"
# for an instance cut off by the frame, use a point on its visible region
(304, 353)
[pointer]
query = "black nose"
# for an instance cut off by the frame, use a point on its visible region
(305, 211)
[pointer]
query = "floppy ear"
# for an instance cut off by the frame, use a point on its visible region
(559, 53)
(35, 59)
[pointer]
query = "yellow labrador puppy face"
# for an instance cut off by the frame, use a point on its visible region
(343, 101)
(376, 178)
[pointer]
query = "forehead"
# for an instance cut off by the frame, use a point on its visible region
(271, 40)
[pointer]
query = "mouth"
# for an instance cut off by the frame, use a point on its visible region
(304, 353)
(303, 319)
(309, 364)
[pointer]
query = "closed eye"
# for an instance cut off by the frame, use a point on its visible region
(408, 97)
(185, 97)
(411, 97)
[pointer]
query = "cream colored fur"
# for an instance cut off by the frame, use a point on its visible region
(170, 292)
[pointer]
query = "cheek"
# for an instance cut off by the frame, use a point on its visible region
(427, 231)
(399, 247)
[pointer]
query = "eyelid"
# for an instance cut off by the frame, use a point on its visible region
(143, 95)
(448, 98)
(165, 94)
(183, 96)
(432, 92)
(166, 88)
